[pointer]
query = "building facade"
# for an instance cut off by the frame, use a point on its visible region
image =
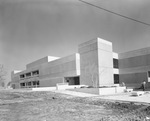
(95, 64)
(134, 67)
(47, 72)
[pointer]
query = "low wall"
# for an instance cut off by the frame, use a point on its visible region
(101, 91)
(106, 91)
(62, 86)
(87, 90)
(44, 89)
(111, 90)
(120, 89)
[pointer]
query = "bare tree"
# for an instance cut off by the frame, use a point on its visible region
(2, 75)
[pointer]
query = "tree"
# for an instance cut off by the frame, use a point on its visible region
(2, 75)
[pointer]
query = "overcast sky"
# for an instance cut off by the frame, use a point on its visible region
(32, 29)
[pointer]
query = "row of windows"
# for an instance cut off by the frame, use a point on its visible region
(33, 73)
(30, 84)
(116, 77)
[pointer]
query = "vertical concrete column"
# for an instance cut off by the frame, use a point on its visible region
(96, 63)
(105, 62)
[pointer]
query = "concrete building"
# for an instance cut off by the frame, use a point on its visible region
(95, 64)
(47, 72)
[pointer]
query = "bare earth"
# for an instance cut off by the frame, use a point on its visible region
(19, 105)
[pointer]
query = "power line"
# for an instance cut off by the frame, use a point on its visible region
(114, 13)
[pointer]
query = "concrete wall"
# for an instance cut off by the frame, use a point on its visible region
(142, 60)
(41, 61)
(133, 67)
(115, 55)
(134, 53)
(96, 62)
(89, 68)
(15, 85)
(89, 62)
(105, 58)
(63, 67)
(50, 82)
(88, 90)
(15, 76)
(133, 79)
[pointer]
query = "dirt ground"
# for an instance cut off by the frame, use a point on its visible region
(19, 105)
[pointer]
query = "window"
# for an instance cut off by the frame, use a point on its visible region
(115, 63)
(22, 85)
(36, 83)
(116, 78)
(29, 83)
(35, 72)
(28, 74)
(22, 76)
(148, 74)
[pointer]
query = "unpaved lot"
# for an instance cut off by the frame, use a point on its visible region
(19, 105)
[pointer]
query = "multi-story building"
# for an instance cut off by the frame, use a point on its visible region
(95, 64)
(47, 72)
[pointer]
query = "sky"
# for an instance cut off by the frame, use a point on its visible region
(32, 29)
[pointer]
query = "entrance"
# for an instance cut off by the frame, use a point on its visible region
(72, 80)
(116, 78)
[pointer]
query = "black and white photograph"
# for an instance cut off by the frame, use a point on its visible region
(74, 60)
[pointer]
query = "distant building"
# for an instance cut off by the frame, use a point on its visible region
(95, 64)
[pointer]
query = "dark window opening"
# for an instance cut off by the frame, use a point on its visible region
(38, 83)
(22, 76)
(22, 85)
(35, 72)
(148, 73)
(116, 78)
(115, 63)
(28, 74)
(29, 83)
(77, 81)
(72, 80)
(34, 82)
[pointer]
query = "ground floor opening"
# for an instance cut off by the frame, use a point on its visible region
(72, 80)
(116, 78)
(30, 84)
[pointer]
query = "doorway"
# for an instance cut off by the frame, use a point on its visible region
(116, 78)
